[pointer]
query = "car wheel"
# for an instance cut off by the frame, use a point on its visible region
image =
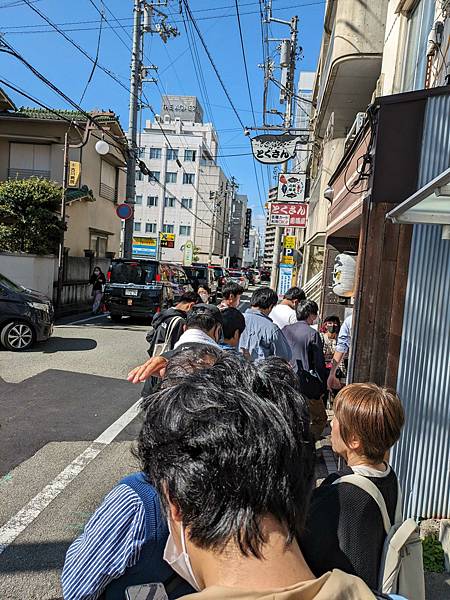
(17, 336)
(116, 317)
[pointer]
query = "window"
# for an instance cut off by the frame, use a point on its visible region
(108, 181)
(152, 200)
(190, 155)
(150, 228)
(137, 226)
(29, 160)
(420, 22)
(171, 177)
(138, 200)
(186, 202)
(154, 176)
(172, 154)
(169, 202)
(99, 244)
(185, 230)
(188, 178)
(168, 228)
(139, 176)
(155, 152)
(141, 151)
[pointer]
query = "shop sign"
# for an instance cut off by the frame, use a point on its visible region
(289, 214)
(74, 173)
(291, 186)
(289, 241)
(285, 279)
(271, 149)
(167, 240)
(288, 256)
(188, 253)
(143, 246)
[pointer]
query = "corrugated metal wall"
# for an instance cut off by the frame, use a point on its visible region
(422, 456)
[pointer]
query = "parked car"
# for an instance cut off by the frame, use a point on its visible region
(26, 316)
(203, 274)
(219, 274)
(139, 287)
(238, 276)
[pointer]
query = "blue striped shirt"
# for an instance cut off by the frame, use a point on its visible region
(111, 542)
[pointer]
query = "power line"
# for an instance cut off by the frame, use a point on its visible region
(94, 66)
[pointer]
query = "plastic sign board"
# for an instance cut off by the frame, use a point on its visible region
(289, 214)
(271, 149)
(289, 241)
(285, 279)
(147, 247)
(291, 186)
(124, 211)
(167, 240)
(188, 253)
(74, 173)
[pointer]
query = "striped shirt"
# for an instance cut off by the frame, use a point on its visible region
(111, 542)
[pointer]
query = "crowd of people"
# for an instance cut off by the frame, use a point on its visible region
(226, 503)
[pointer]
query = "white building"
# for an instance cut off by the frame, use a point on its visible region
(251, 254)
(186, 194)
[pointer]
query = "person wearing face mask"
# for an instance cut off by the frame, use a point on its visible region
(205, 293)
(308, 361)
(97, 280)
(329, 334)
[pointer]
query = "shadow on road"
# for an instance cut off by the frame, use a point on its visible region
(60, 344)
(42, 556)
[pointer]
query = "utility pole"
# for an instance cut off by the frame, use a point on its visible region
(288, 92)
(143, 23)
(234, 187)
(213, 197)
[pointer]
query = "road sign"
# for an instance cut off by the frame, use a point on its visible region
(124, 211)
(285, 279)
(167, 240)
(74, 173)
(188, 253)
(143, 246)
(291, 186)
(289, 241)
(288, 214)
(276, 149)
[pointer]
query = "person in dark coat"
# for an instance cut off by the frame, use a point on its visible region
(97, 280)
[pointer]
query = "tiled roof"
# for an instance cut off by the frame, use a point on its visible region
(41, 113)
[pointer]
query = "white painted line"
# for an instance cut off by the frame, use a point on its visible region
(21, 520)
(83, 320)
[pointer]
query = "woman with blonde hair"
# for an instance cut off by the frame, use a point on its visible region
(344, 527)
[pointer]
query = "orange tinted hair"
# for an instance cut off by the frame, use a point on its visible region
(371, 413)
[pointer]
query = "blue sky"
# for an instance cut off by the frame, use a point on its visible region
(69, 69)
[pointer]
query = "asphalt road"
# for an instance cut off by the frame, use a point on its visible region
(68, 420)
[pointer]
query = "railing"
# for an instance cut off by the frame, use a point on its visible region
(27, 173)
(313, 287)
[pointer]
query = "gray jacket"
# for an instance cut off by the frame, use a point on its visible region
(262, 338)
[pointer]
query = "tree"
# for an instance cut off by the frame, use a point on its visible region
(29, 215)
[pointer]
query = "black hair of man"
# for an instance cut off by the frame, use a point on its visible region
(295, 293)
(264, 297)
(333, 319)
(306, 309)
(232, 289)
(228, 446)
(188, 297)
(204, 317)
(233, 320)
(205, 287)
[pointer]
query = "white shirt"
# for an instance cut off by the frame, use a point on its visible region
(283, 315)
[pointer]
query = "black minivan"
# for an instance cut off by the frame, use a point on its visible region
(140, 287)
(26, 316)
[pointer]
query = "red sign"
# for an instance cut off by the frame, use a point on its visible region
(289, 214)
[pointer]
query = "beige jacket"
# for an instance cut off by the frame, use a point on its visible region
(335, 585)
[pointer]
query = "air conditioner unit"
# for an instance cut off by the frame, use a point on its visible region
(354, 129)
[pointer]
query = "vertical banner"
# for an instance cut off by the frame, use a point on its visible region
(285, 279)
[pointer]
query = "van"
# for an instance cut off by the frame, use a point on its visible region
(26, 316)
(203, 274)
(139, 287)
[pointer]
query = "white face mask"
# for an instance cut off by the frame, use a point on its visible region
(180, 561)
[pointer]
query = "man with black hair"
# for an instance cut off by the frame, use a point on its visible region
(229, 451)
(284, 313)
(231, 295)
(262, 338)
(309, 362)
(233, 326)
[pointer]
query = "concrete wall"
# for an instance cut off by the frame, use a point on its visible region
(32, 271)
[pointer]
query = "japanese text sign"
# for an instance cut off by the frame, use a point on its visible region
(289, 214)
(276, 149)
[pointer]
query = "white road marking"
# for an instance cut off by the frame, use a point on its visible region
(21, 520)
(93, 318)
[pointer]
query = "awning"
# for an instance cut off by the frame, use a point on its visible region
(430, 204)
(82, 193)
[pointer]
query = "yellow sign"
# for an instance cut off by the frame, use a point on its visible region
(167, 237)
(74, 173)
(143, 241)
(289, 241)
(287, 260)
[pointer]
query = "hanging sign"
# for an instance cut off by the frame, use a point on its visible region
(274, 149)
(74, 173)
(188, 253)
(167, 240)
(289, 241)
(288, 214)
(291, 186)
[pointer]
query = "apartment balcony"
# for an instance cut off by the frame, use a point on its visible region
(15, 173)
(350, 63)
